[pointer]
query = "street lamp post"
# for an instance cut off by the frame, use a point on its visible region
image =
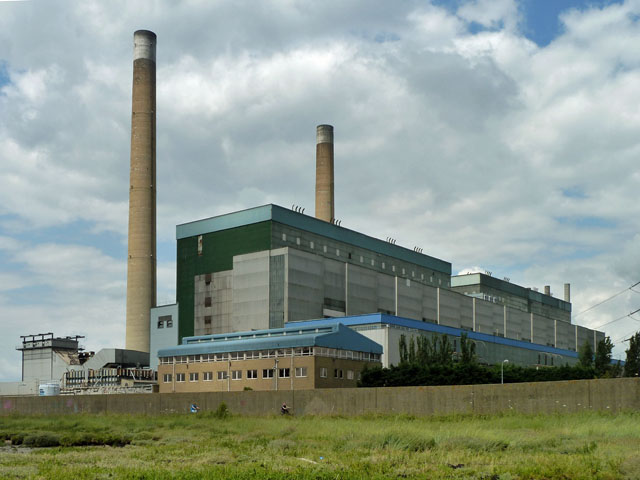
(502, 371)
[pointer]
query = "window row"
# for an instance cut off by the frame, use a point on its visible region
(338, 373)
(285, 352)
(236, 374)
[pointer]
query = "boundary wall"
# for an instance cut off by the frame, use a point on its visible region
(612, 395)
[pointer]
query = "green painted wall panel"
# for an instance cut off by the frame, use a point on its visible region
(218, 250)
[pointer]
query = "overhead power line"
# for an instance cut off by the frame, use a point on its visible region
(606, 300)
(618, 319)
(625, 337)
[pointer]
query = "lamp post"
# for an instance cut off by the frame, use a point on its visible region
(502, 370)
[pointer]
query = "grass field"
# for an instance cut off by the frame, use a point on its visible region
(204, 445)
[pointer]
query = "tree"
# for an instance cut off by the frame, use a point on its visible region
(467, 350)
(585, 355)
(632, 363)
(402, 347)
(603, 356)
(412, 352)
(445, 352)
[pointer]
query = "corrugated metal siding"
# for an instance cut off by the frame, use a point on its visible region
(276, 291)
(218, 249)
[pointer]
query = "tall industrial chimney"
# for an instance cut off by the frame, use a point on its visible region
(324, 173)
(141, 263)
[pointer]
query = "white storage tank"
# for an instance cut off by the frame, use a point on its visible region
(49, 389)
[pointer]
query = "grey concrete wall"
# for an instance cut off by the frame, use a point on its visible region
(161, 337)
(250, 298)
(611, 395)
(543, 330)
(220, 290)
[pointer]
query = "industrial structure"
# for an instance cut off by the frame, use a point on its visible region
(268, 266)
(141, 261)
(48, 360)
(270, 298)
(324, 174)
(300, 358)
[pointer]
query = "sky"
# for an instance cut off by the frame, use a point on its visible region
(498, 135)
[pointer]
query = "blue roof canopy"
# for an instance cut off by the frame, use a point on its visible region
(334, 335)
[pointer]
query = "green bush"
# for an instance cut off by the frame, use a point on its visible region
(45, 439)
(222, 411)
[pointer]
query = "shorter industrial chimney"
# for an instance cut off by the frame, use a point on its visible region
(567, 292)
(324, 173)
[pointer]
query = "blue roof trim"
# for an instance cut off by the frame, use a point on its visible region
(312, 225)
(432, 327)
(334, 335)
(224, 222)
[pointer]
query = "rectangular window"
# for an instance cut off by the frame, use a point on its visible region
(199, 244)
(207, 279)
(179, 377)
(283, 373)
(311, 245)
(207, 301)
(166, 378)
(284, 237)
(208, 376)
(160, 324)
(169, 323)
(323, 372)
(222, 375)
(207, 319)
(193, 377)
(236, 374)
(337, 373)
(252, 373)
(297, 240)
(349, 374)
(267, 373)
(301, 371)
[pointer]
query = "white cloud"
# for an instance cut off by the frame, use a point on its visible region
(490, 13)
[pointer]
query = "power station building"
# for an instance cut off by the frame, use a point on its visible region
(266, 267)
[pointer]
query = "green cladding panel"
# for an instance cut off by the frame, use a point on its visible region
(218, 250)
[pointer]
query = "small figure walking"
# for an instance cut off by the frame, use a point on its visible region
(195, 408)
(284, 410)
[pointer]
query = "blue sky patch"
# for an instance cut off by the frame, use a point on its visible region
(4, 74)
(573, 192)
(540, 22)
(587, 222)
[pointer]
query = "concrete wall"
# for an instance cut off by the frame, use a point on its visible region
(162, 335)
(611, 395)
